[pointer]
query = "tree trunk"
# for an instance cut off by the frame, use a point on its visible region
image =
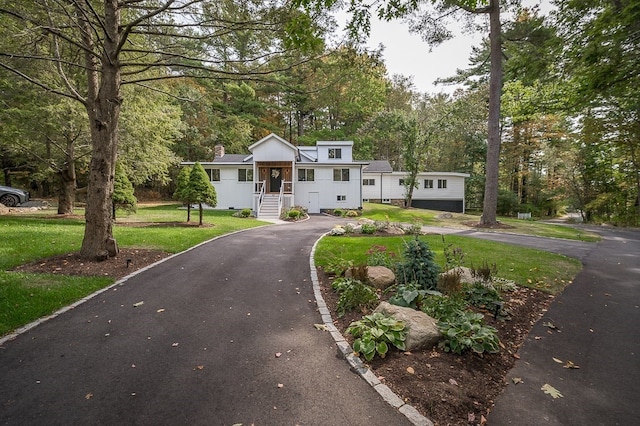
(493, 146)
(201, 209)
(67, 194)
(103, 107)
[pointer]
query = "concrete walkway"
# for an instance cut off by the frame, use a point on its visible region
(224, 336)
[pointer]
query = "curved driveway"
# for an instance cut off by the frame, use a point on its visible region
(225, 336)
(597, 319)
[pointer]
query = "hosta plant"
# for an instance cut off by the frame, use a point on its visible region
(375, 333)
(467, 331)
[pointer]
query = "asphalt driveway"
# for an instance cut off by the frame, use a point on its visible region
(220, 335)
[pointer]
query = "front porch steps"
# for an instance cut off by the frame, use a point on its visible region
(269, 207)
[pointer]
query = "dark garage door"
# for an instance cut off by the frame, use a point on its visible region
(454, 206)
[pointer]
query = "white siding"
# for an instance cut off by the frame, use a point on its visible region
(387, 186)
(330, 190)
(230, 192)
(272, 149)
(346, 149)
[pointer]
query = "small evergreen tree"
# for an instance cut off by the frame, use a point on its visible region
(182, 192)
(201, 189)
(123, 197)
(418, 265)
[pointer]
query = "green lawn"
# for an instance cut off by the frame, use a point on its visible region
(527, 267)
(25, 297)
(386, 212)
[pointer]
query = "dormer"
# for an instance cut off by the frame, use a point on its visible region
(335, 151)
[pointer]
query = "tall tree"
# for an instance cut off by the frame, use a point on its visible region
(430, 23)
(119, 42)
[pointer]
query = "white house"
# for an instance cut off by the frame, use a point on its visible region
(435, 191)
(277, 175)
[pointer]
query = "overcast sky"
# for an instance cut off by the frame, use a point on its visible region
(408, 55)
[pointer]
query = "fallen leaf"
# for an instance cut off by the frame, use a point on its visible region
(88, 396)
(516, 380)
(538, 337)
(160, 310)
(570, 364)
(322, 327)
(278, 354)
(410, 370)
(483, 420)
(471, 417)
(280, 385)
(135, 305)
(550, 325)
(516, 356)
(453, 382)
(200, 367)
(175, 344)
(407, 353)
(550, 390)
(559, 361)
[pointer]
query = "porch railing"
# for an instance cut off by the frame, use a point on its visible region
(260, 190)
(286, 187)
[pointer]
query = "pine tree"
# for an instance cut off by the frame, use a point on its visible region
(200, 189)
(123, 197)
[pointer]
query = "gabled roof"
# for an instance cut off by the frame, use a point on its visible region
(378, 166)
(272, 136)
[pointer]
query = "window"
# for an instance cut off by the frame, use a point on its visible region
(368, 182)
(214, 174)
(341, 175)
(401, 182)
(428, 184)
(245, 175)
(342, 198)
(442, 183)
(306, 175)
(335, 153)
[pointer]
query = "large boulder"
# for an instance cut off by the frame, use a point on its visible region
(465, 274)
(380, 277)
(422, 329)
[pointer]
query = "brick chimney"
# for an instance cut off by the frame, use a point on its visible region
(218, 151)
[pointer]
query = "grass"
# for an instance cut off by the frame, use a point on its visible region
(25, 297)
(527, 267)
(386, 212)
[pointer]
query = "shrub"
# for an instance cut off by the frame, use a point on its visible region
(482, 296)
(337, 266)
(414, 229)
(245, 212)
(352, 213)
(454, 256)
(369, 228)
(338, 212)
(294, 214)
(485, 272)
(374, 333)
(379, 256)
(466, 331)
(418, 265)
(354, 294)
(410, 296)
(449, 282)
(443, 307)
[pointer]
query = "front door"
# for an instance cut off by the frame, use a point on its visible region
(275, 179)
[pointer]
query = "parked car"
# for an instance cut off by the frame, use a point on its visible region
(12, 197)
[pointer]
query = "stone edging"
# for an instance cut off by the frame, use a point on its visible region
(355, 362)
